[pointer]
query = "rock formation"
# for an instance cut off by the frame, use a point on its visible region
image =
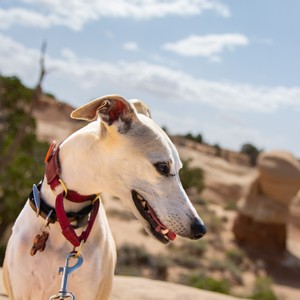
(260, 224)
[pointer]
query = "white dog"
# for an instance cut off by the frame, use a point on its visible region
(122, 152)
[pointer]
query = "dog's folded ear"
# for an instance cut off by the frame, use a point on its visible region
(110, 109)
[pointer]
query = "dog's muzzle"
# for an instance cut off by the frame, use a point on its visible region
(158, 229)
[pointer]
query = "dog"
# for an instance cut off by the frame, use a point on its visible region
(121, 152)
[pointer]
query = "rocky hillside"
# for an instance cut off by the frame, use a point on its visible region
(53, 119)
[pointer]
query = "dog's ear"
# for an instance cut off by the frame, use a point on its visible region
(141, 107)
(110, 109)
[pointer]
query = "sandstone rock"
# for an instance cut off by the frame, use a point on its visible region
(279, 175)
(264, 209)
(267, 239)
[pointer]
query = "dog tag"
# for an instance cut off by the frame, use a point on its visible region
(36, 198)
(39, 243)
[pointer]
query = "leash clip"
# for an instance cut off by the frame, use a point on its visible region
(66, 271)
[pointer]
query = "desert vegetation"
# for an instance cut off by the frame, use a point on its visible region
(21, 153)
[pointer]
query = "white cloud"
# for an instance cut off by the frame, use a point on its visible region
(17, 59)
(76, 13)
(68, 54)
(158, 81)
(210, 45)
(20, 16)
(131, 46)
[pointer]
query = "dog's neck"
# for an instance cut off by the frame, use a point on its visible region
(78, 156)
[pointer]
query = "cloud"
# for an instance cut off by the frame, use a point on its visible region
(76, 13)
(23, 17)
(68, 54)
(210, 45)
(131, 46)
(26, 60)
(160, 82)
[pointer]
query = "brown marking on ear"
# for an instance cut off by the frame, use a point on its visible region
(89, 111)
(110, 111)
(110, 108)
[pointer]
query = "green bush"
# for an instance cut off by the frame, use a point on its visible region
(231, 205)
(213, 223)
(218, 150)
(236, 256)
(209, 283)
(21, 154)
(189, 254)
(195, 248)
(233, 271)
(132, 260)
(191, 176)
(263, 289)
(196, 138)
(251, 151)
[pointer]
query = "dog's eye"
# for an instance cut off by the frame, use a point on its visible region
(163, 168)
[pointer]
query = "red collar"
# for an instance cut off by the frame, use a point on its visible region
(53, 172)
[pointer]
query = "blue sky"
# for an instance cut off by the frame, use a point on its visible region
(227, 69)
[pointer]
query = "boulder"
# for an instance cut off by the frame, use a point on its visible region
(263, 210)
(279, 175)
(265, 239)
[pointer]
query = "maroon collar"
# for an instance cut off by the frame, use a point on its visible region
(53, 171)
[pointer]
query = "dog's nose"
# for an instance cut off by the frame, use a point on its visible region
(198, 229)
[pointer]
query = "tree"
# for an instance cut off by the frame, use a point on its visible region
(197, 138)
(251, 151)
(21, 161)
(218, 150)
(17, 104)
(21, 154)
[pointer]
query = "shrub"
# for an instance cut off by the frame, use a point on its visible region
(263, 290)
(132, 260)
(218, 150)
(233, 272)
(191, 176)
(21, 154)
(133, 255)
(196, 248)
(251, 151)
(231, 205)
(209, 283)
(196, 138)
(213, 223)
(236, 256)
(188, 254)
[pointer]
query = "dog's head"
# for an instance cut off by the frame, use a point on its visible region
(143, 167)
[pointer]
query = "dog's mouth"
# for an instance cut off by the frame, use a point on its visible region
(159, 230)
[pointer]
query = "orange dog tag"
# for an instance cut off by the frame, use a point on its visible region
(39, 243)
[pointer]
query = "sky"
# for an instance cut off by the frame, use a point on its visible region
(227, 69)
